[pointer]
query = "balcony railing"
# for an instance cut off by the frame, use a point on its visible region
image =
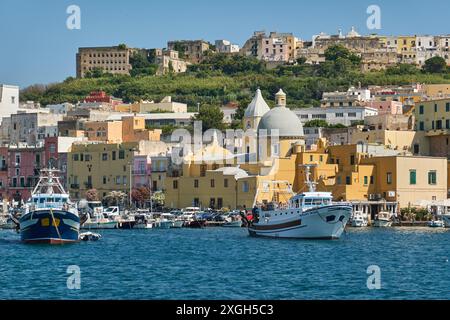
(75, 186)
(88, 185)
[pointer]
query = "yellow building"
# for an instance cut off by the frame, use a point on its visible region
(105, 166)
(107, 131)
(129, 129)
(102, 166)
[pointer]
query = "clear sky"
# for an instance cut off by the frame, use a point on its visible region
(37, 47)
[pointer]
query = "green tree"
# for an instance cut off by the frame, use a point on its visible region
(435, 65)
(211, 117)
(317, 123)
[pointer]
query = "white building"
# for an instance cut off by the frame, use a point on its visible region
(61, 108)
(352, 97)
(225, 46)
(9, 100)
(33, 127)
(346, 116)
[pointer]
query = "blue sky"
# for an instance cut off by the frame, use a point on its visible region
(36, 46)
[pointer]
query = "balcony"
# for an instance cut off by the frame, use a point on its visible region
(141, 172)
(88, 185)
(74, 186)
(4, 168)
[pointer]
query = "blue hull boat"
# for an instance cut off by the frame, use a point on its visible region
(49, 226)
(49, 216)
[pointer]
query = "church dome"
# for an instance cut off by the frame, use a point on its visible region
(284, 120)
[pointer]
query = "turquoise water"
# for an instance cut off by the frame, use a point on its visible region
(222, 263)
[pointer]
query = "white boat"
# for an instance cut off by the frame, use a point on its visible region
(308, 215)
(165, 221)
(89, 236)
(96, 219)
(233, 224)
(382, 220)
(7, 223)
(359, 219)
(178, 223)
(436, 224)
(144, 221)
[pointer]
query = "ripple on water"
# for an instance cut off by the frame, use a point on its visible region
(222, 263)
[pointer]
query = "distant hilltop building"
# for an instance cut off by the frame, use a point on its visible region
(191, 50)
(115, 60)
(225, 46)
(272, 47)
(169, 61)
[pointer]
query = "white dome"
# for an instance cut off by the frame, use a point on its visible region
(284, 120)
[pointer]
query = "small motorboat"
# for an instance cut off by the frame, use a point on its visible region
(359, 219)
(233, 224)
(436, 224)
(383, 220)
(197, 224)
(90, 236)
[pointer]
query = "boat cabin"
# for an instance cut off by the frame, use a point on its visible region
(49, 200)
(311, 199)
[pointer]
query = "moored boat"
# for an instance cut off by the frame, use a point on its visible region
(436, 224)
(359, 219)
(49, 216)
(382, 220)
(308, 215)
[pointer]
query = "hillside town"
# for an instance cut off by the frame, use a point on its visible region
(373, 146)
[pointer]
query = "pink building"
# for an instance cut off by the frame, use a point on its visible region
(141, 171)
(386, 107)
(24, 163)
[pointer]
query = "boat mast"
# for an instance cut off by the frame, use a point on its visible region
(311, 184)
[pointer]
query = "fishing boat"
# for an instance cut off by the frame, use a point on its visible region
(359, 219)
(49, 215)
(144, 220)
(308, 215)
(382, 220)
(165, 221)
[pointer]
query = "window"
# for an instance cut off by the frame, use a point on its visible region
(366, 180)
(118, 180)
(13, 100)
(389, 177)
(412, 177)
(439, 124)
(435, 107)
(17, 159)
(447, 106)
(114, 155)
(416, 148)
(104, 156)
(352, 114)
(104, 179)
(339, 115)
(447, 124)
(420, 109)
(219, 203)
(432, 177)
(245, 186)
(432, 124)
(175, 184)
(22, 182)
(339, 180)
(371, 179)
(311, 158)
(321, 158)
(203, 170)
(121, 154)
(352, 160)
(124, 179)
(225, 183)
(195, 183)
(421, 126)
(348, 180)
(213, 183)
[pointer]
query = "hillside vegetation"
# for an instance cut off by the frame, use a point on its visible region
(221, 79)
